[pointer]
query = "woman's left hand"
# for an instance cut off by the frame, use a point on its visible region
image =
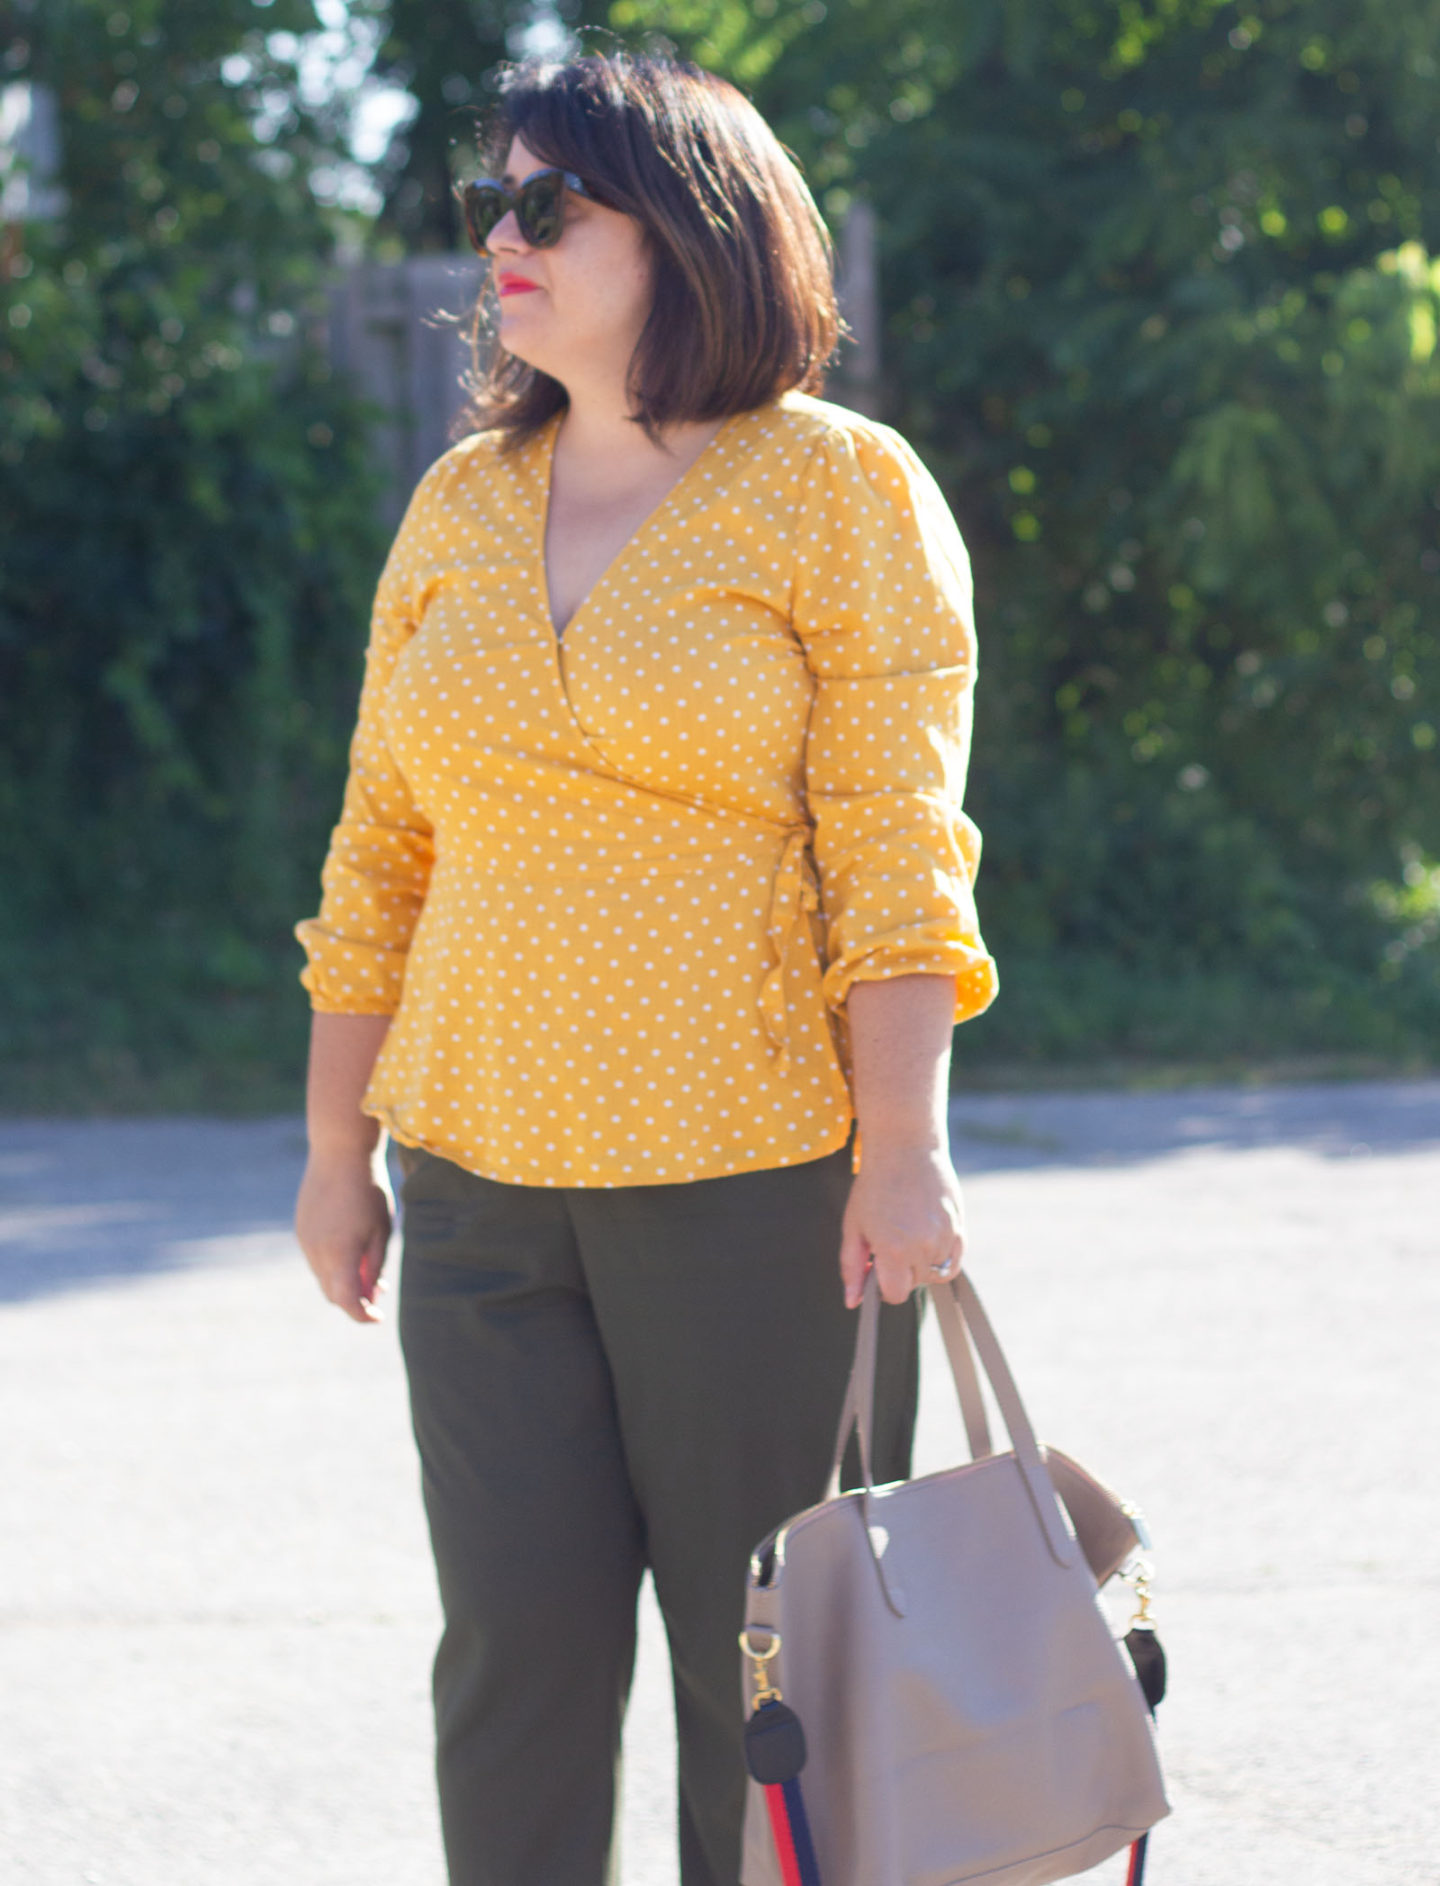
(906, 1217)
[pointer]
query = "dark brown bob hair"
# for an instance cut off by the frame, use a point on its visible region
(744, 304)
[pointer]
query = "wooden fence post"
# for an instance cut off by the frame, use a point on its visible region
(395, 330)
(857, 382)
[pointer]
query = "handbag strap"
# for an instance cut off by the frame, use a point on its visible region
(1054, 1520)
(858, 1411)
(858, 1408)
(962, 1369)
(960, 1312)
(860, 1389)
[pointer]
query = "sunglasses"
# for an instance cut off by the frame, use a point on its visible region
(539, 206)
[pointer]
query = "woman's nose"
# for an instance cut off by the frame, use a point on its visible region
(505, 237)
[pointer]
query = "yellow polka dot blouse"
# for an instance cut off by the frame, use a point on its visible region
(614, 890)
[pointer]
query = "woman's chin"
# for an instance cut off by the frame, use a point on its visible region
(519, 331)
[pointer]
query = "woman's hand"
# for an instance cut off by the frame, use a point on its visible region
(342, 1219)
(906, 1217)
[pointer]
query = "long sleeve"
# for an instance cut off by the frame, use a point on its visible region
(378, 867)
(882, 607)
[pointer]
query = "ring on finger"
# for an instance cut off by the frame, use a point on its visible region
(946, 1269)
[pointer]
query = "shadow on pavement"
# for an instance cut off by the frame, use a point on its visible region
(998, 1133)
(85, 1203)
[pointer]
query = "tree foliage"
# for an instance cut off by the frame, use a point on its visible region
(186, 542)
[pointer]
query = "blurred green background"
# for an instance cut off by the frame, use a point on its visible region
(1160, 305)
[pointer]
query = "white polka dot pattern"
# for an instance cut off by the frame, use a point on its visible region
(615, 891)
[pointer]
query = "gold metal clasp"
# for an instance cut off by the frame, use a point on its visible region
(765, 1690)
(1138, 1574)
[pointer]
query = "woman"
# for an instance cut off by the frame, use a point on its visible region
(651, 883)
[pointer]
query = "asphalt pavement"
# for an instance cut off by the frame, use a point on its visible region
(217, 1608)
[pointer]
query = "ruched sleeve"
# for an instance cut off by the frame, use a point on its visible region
(377, 870)
(883, 609)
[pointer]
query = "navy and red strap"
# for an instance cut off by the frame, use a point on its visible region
(775, 1754)
(791, 1827)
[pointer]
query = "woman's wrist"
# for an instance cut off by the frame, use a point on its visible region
(921, 1141)
(336, 1146)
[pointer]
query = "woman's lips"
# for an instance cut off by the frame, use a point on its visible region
(516, 285)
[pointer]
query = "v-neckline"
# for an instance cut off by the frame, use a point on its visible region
(558, 637)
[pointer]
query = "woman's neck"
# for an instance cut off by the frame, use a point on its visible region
(601, 444)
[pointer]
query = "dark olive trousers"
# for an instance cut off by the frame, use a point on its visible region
(601, 1381)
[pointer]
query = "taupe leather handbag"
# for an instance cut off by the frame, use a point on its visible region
(964, 1712)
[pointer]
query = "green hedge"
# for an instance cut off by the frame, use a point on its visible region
(187, 551)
